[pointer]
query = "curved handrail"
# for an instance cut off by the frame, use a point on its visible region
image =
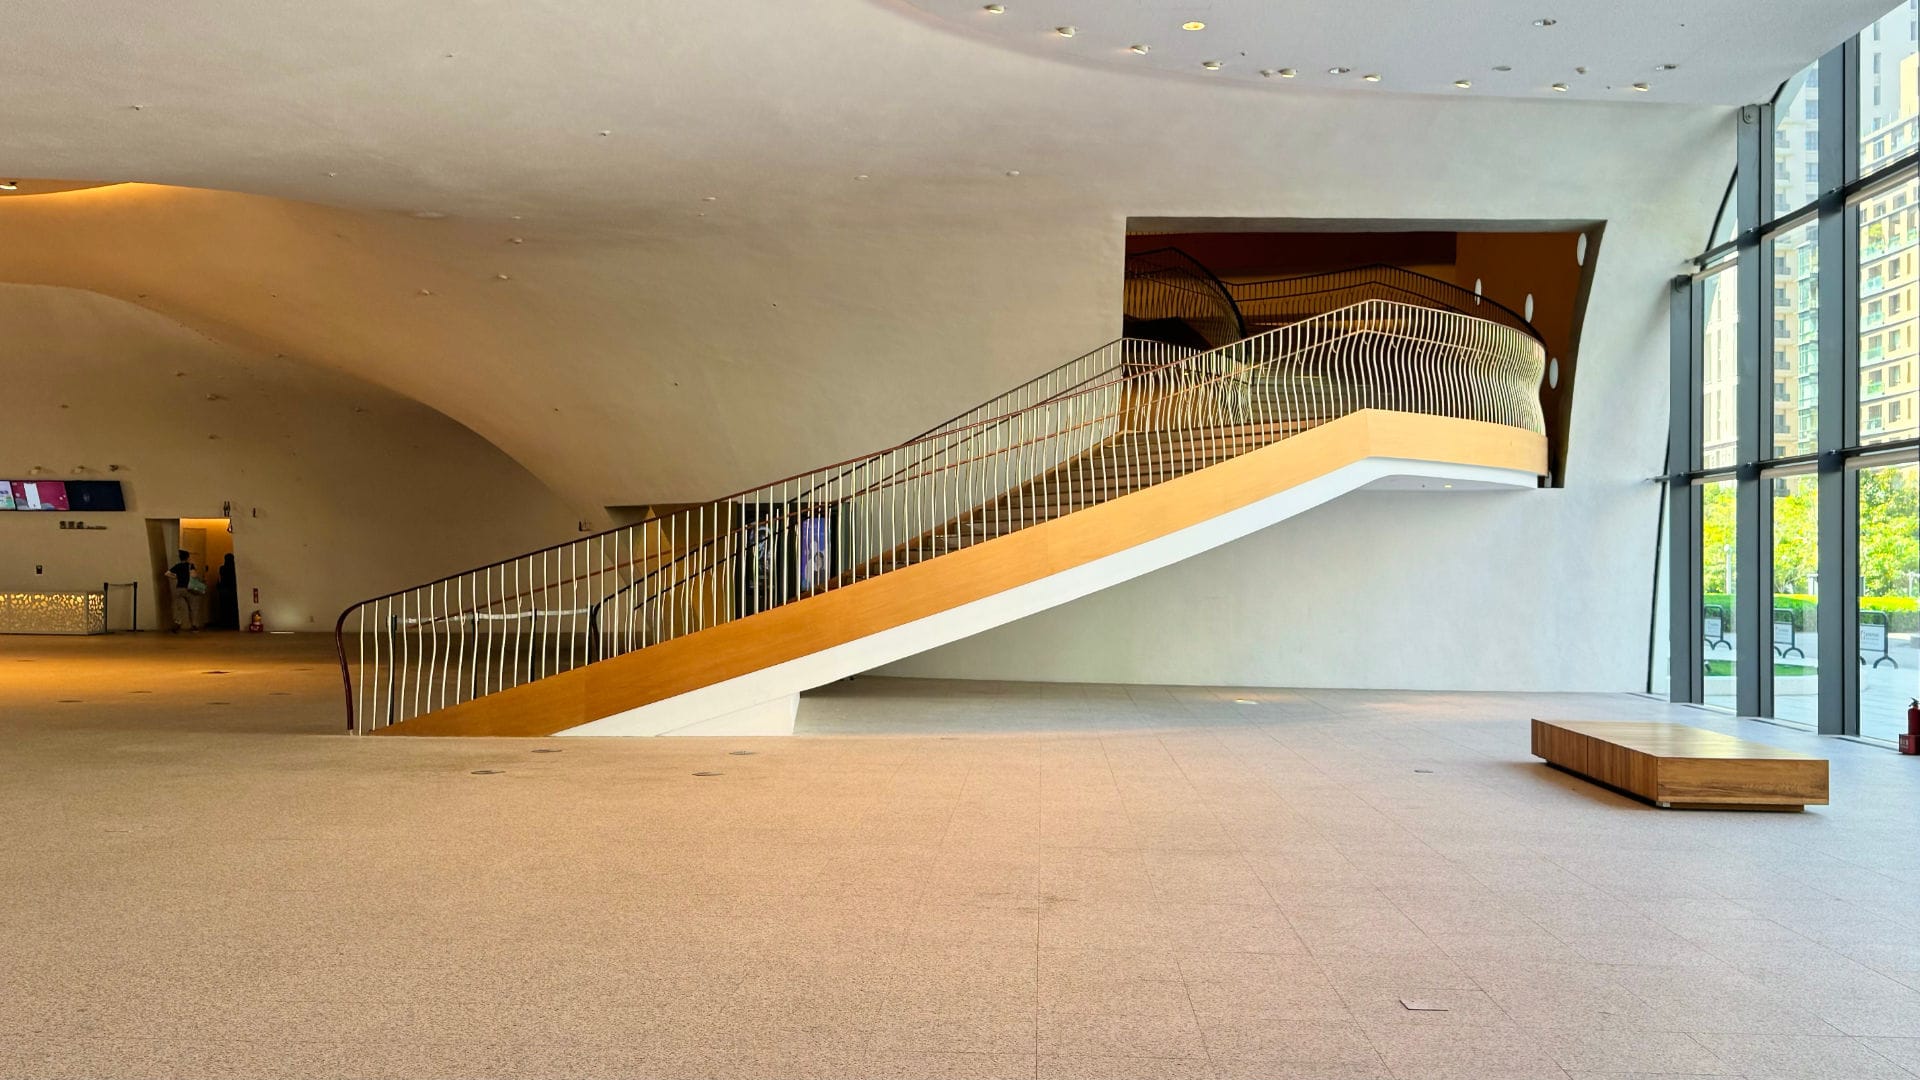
(429, 649)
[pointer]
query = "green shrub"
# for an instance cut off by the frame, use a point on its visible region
(1903, 611)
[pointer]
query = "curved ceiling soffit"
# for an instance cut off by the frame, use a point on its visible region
(1714, 52)
(88, 236)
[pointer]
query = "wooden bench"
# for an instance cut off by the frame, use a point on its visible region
(1683, 768)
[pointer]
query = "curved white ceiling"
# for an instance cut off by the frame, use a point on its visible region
(1725, 52)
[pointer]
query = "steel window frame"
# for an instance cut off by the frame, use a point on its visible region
(1839, 453)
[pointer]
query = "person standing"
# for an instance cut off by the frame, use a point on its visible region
(182, 575)
(196, 598)
(227, 596)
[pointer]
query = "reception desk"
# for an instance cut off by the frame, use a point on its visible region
(53, 613)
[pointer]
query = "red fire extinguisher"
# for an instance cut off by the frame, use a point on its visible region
(1910, 742)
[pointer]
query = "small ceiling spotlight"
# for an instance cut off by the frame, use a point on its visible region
(1210, 65)
(1666, 67)
(995, 9)
(1464, 84)
(1503, 67)
(1370, 78)
(1194, 25)
(1543, 23)
(1287, 73)
(1559, 88)
(1140, 49)
(1013, 172)
(1642, 87)
(1066, 31)
(1338, 70)
(9, 185)
(1580, 71)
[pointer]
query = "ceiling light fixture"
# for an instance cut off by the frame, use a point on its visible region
(1503, 67)
(1559, 88)
(1194, 25)
(1140, 49)
(1066, 31)
(1210, 65)
(1464, 84)
(1543, 23)
(1338, 70)
(995, 9)
(1666, 67)
(1642, 87)
(1370, 78)
(9, 185)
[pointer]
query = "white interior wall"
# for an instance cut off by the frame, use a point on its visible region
(340, 490)
(715, 286)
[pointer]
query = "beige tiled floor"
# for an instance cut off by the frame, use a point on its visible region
(199, 878)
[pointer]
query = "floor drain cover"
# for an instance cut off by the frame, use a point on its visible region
(547, 750)
(485, 772)
(706, 774)
(741, 753)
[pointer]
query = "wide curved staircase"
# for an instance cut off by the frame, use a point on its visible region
(712, 619)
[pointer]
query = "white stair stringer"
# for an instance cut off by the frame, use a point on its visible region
(762, 702)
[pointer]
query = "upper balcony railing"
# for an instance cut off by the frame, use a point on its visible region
(1026, 457)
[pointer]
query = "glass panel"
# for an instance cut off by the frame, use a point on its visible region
(1660, 663)
(1723, 222)
(1889, 598)
(1796, 571)
(1889, 226)
(1889, 86)
(1719, 368)
(1796, 353)
(1717, 586)
(1796, 141)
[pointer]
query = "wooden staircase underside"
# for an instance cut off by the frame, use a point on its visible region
(978, 558)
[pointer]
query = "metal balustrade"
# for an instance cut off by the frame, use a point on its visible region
(1123, 417)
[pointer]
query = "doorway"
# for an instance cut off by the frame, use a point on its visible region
(208, 543)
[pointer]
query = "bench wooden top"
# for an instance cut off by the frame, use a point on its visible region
(1675, 741)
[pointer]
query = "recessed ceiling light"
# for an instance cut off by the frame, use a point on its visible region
(1287, 73)
(1194, 25)
(1545, 22)
(9, 185)
(1580, 71)
(1560, 87)
(1338, 70)
(1141, 49)
(995, 9)
(1013, 172)
(1666, 67)
(1066, 31)
(1642, 87)
(1464, 84)
(1370, 78)
(1210, 65)
(861, 176)
(1503, 67)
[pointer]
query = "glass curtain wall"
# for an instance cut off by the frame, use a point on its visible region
(1794, 589)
